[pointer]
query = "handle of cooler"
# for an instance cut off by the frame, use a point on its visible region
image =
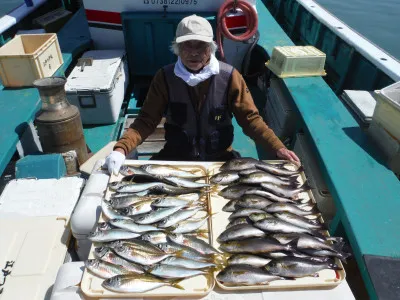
(87, 101)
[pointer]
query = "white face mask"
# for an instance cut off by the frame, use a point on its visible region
(194, 79)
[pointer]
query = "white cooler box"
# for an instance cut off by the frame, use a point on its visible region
(98, 89)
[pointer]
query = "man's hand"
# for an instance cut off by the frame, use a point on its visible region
(288, 155)
(115, 160)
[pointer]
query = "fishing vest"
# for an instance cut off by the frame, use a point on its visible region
(198, 135)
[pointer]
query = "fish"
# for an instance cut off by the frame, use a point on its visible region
(296, 267)
(299, 220)
(279, 170)
(260, 216)
(239, 232)
(174, 190)
(255, 246)
(184, 251)
(245, 212)
(171, 201)
(139, 187)
(191, 196)
(262, 177)
(268, 195)
(157, 215)
(253, 201)
(109, 212)
(245, 275)
(285, 207)
(192, 242)
(111, 235)
(187, 263)
(239, 164)
(138, 208)
(126, 201)
(137, 244)
(182, 182)
(137, 283)
(305, 241)
(224, 178)
(273, 225)
(155, 237)
(234, 192)
(166, 170)
(107, 255)
(139, 256)
(178, 216)
(104, 269)
(132, 226)
(313, 252)
(105, 226)
(132, 170)
(188, 225)
(230, 206)
(173, 272)
(248, 259)
(237, 221)
(290, 192)
(248, 171)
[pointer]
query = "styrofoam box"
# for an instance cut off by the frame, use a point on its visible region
(297, 61)
(387, 111)
(28, 57)
(321, 193)
(98, 90)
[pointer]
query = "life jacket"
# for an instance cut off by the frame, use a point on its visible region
(198, 135)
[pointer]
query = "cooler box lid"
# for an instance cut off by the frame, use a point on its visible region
(362, 102)
(97, 77)
(32, 250)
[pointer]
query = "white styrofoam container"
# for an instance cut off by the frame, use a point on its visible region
(297, 61)
(362, 103)
(387, 111)
(321, 193)
(99, 90)
(66, 285)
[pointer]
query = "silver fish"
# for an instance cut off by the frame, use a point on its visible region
(247, 259)
(171, 201)
(287, 192)
(189, 225)
(182, 182)
(138, 208)
(308, 242)
(279, 170)
(260, 216)
(284, 207)
(184, 251)
(248, 171)
(137, 283)
(239, 232)
(239, 164)
(123, 202)
(224, 178)
(253, 201)
(245, 212)
(174, 190)
(187, 263)
(109, 212)
(245, 275)
(237, 221)
(268, 195)
(131, 170)
(172, 272)
(178, 216)
(274, 225)
(262, 177)
(191, 196)
(139, 256)
(157, 215)
(155, 237)
(137, 244)
(111, 235)
(116, 185)
(107, 255)
(255, 246)
(104, 226)
(138, 187)
(132, 226)
(298, 220)
(230, 206)
(192, 242)
(165, 170)
(104, 269)
(234, 192)
(326, 253)
(296, 267)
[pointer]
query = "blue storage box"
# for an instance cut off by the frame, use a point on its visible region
(44, 166)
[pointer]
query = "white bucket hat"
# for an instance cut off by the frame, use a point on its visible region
(194, 28)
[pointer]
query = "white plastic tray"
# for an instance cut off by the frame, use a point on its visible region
(195, 287)
(327, 278)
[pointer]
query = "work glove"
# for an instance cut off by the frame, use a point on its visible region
(114, 162)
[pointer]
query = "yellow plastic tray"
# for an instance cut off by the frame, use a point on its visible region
(327, 278)
(195, 287)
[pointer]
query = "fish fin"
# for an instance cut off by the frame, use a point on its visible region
(343, 256)
(176, 284)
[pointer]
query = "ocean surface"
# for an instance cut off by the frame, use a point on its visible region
(377, 20)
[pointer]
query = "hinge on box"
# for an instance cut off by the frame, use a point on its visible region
(85, 61)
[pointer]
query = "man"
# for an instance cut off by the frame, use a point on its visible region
(198, 94)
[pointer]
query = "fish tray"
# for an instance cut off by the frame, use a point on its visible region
(194, 287)
(327, 278)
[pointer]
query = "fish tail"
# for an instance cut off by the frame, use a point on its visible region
(178, 254)
(176, 284)
(343, 256)
(338, 246)
(318, 233)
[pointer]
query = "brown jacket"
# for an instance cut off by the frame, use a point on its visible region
(241, 105)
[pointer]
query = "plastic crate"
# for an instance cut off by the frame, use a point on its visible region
(297, 61)
(53, 21)
(28, 57)
(387, 111)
